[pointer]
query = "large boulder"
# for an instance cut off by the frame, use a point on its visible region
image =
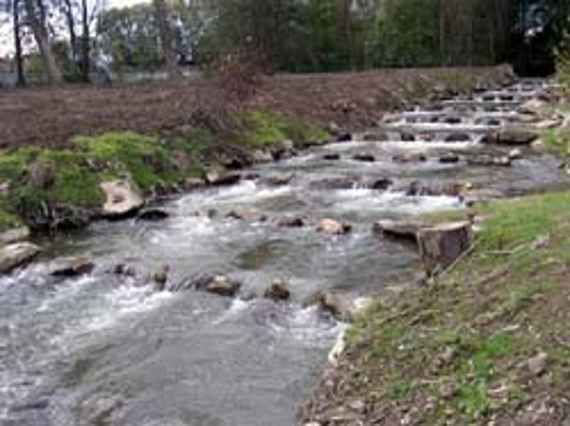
(16, 235)
(441, 245)
(332, 227)
(71, 267)
(122, 199)
(18, 254)
(513, 136)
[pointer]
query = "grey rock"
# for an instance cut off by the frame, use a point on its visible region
(16, 235)
(513, 136)
(537, 365)
(458, 137)
(406, 229)
(332, 227)
(278, 291)
(153, 215)
(291, 222)
(369, 158)
(71, 267)
(15, 255)
(122, 199)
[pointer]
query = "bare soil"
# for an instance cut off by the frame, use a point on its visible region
(49, 117)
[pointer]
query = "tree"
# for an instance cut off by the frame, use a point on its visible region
(36, 18)
(129, 36)
(17, 28)
(166, 38)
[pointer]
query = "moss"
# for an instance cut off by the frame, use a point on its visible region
(266, 128)
(558, 141)
(8, 220)
(143, 158)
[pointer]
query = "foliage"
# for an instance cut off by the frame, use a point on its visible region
(130, 36)
(562, 54)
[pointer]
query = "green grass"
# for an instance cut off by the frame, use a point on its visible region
(148, 161)
(493, 311)
(558, 141)
(267, 128)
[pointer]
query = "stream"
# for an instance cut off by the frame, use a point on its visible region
(102, 349)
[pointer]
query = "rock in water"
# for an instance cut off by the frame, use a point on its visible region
(217, 178)
(375, 137)
(450, 157)
(340, 304)
(330, 226)
(291, 222)
(458, 137)
(441, 245)
(71, 267)
(382, 184)
(278, 291)
(345, 137)
(160, 278)
(216, 284)
(193, 183)
(367, 158)
(223, 286)
(123, 199)
(331, 157)
(513, 136)
(398, 228)
(18, 254)
(153, 215)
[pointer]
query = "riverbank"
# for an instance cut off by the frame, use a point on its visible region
(484, 343)
(160, 140)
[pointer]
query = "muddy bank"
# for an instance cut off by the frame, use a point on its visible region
(352, 100)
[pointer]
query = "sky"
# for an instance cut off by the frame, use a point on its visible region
(6, 40)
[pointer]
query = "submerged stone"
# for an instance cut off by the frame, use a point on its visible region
(71, 267)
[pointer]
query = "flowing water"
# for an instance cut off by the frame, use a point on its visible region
(103, 349)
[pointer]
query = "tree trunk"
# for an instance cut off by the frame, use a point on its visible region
(42, 40)
(85, 43)
(18, 44)
(71, 28)
(166, 38)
